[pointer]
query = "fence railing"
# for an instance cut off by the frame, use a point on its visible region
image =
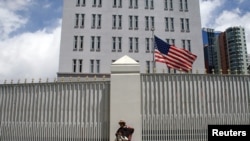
(181, 106)
(173, 107)
(50, 111)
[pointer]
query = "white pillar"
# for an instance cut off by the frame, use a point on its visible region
(125, 96)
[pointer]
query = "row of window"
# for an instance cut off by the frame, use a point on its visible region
(117, 44)
(148, 4)
(133, 24)
(78, 66)
(95, 65)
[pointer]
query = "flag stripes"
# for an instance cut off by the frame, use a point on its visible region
(172, 56)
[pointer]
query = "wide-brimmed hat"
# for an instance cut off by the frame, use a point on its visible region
(122, 121)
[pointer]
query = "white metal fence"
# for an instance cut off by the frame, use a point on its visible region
(174, 107)
(54, 111)
(181, 106)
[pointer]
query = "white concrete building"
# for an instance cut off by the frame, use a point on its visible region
(95, 33)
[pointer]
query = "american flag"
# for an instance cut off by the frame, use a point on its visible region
(173, 57)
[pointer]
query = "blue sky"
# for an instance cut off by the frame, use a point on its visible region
(30, 32)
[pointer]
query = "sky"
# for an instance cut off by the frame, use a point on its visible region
(30, 32)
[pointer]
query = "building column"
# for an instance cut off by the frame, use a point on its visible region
(125, 96)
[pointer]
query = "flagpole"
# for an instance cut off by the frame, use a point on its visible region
(153, 40)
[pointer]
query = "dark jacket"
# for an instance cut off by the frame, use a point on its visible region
(125, 131)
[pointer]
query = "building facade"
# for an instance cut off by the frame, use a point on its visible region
(95, 33)
(237, 49)
(225, 51)
(208, 36)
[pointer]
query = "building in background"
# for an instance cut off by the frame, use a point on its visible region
(95, 33)
(237, 49)
(225, 51)
(209, 37)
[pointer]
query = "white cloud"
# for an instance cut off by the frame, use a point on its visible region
(208, 11)
(211, 18)
(9, 19)
(30, 55)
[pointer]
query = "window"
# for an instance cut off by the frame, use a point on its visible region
(147, 44)
(114, 21)
(173, 41)
(114, 24)
(183, 44)
(136, 22)
(100, 3)
(81, 43)
(76, 20)
(77, 2)
(186, 5)
(130, 44)
(130, 22)
(117, 3)
(82, 20)
(94, 3)
(92, 43)
(83, 2)
(97, 66)
(166, 4)
(133, 19)
(99, 21)
(114, 44)
(181, 6)
(74, 65)
(166, 24)
(167, 40)
(146, 23)
(119, 21)
(119, 44)
(80, 65)
(91, 66)
(130, 3)
(133, 44)
(152, 22)
(136, 4)
(98, 43)
(151, 4)
(75, 43)
(120, 4)
(189, 45)
(171, 4)
(182, 25)
(172, 24)
(133, 3)
(114, 3)
(146, 4)
(187, 25)
(93, 21)
(136, 44)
